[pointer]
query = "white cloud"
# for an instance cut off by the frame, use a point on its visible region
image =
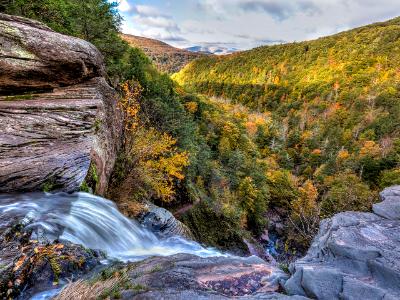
(163, 35)
(150, 21)
(248, 23)
(277, 9)
(128, 29)
(257, 22)
(124, 6)
(158, 22)
(147, 10)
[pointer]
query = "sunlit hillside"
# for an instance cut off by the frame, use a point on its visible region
(167, 58)
(335, 105)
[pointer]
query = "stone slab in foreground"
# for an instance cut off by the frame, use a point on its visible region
(184, 276)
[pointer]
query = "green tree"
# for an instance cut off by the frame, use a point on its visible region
(347, 193)
(304, 216)
(54, 13)
(283, 188)
(389, 178)
(254, 203)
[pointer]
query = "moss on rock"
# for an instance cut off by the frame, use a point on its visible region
(89, 185)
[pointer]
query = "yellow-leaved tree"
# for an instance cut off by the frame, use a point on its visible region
(151, 163)
(156, 162)
(305, 212)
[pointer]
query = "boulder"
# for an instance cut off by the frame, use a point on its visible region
(354, 256)
(34, 57)
(390, 207)
(163, 223)
(57, 112)
(28, 267)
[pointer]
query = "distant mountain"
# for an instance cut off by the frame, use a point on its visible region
(212, 50)
(166, 57)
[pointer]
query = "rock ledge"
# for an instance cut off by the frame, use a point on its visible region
(354, 256)
(57, 112)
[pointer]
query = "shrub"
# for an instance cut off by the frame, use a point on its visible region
(347, 193)
(304, 216)
(389, 178)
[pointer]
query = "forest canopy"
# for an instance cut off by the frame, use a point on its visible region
(334, 107)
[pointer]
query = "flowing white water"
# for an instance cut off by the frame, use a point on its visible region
(93, 222)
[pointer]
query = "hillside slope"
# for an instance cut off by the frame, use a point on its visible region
(334, 105)
(345, 63)
(167, 58)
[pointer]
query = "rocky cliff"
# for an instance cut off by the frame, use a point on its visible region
(57, 112)
(354, 256)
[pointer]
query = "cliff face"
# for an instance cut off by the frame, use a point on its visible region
(57, 112)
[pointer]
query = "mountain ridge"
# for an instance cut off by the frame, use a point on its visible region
(212, 50)
(166, 57)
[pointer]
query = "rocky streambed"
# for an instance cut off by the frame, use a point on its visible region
(53, 242)
(50, 239)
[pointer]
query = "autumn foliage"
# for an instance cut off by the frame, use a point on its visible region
(152, 163)
(330, 139)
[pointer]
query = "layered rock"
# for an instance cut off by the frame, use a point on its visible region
(354, 256)
(33, 57)
(190, 277)
(57, 112)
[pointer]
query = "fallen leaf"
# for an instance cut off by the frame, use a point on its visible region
(19, 263)
(59, 246)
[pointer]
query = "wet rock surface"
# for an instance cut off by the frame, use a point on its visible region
(162, 222)
(354, 256)
(57, 113)
(190, 277)
(28, 266)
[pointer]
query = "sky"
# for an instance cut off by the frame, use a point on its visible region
(245, 24)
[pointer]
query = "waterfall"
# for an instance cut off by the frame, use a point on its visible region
(93, 222)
